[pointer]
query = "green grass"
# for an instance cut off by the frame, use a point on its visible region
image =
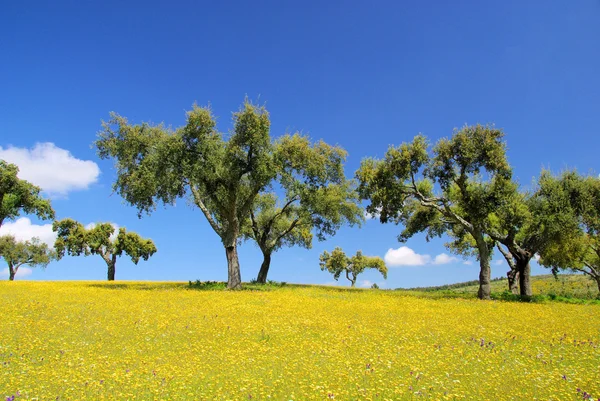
(571, 288)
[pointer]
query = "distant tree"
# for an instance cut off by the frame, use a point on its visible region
(474, 180)
(16, 254)
(316, 197)
(74, 239)
(156, 164)
(18, 196)
(337, 263)
(579, 249)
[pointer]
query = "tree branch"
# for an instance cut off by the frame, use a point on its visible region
(508, 256)
(286, 232)
(207, 214)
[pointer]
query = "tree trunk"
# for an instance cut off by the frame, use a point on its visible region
(522, 258)
(513, 281)
(11, 273)
(234, 279)
(524, 277)
(111, 271)
(485, 271)
(264, 268)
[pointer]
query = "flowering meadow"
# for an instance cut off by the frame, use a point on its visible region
(126, 341)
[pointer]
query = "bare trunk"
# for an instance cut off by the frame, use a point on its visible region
(264, 268)
(485, 270)
(524, 277)
(351, 279)
(234, 280)
(597, 278)
(513, 281)
(11, 273)
(111, 271)
(513, 273)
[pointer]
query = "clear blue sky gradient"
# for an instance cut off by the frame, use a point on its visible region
(363, 75)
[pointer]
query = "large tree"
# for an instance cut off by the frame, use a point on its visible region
(222, 174)
(522, 226)
(579, 250)
(528, 224)
(454, 190)
(316, 196)
(337, 263)
(74, 239)
(16, 254)
(17, 196)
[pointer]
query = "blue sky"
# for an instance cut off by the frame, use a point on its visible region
(361, 75)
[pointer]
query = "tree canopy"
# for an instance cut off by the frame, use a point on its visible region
(19, 253)
(316, 197)
(156, 164)
(17, 196)
(579, 249)
(337, 263)
(454, 190)
(74, 239)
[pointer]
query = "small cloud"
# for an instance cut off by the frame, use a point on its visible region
(366, 284)
(536, 257)
(22, 272)
(23, 230)
(404, 256)
(443, 259)
(468, 262)
(53, 169)
(498, 262)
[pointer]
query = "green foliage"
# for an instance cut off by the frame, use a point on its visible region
(316, 197)
(579, 248)
(16, 254)
(74, 239)
(337, 263)
(453, 191)
(156, 164)
(18, 196)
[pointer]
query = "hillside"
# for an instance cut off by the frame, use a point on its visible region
(564, 285)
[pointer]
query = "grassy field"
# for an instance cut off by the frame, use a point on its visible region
(564, 286)
(119, 341)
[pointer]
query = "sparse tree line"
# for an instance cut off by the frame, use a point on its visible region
(286, 191)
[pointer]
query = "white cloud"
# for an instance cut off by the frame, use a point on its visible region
(369, 284)
(498, 262)
(22, 272)
(443, 259)
(23, 230)
(468, 262)
(53, 169)
(404, 256)
(536, 257)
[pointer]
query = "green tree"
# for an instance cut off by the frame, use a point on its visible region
(337, 263)
(579, 249)
(74, 239)
(18, 196)
(156, 164)
(528, 224)
(17, 254)
(316, 197)
(454, 191)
